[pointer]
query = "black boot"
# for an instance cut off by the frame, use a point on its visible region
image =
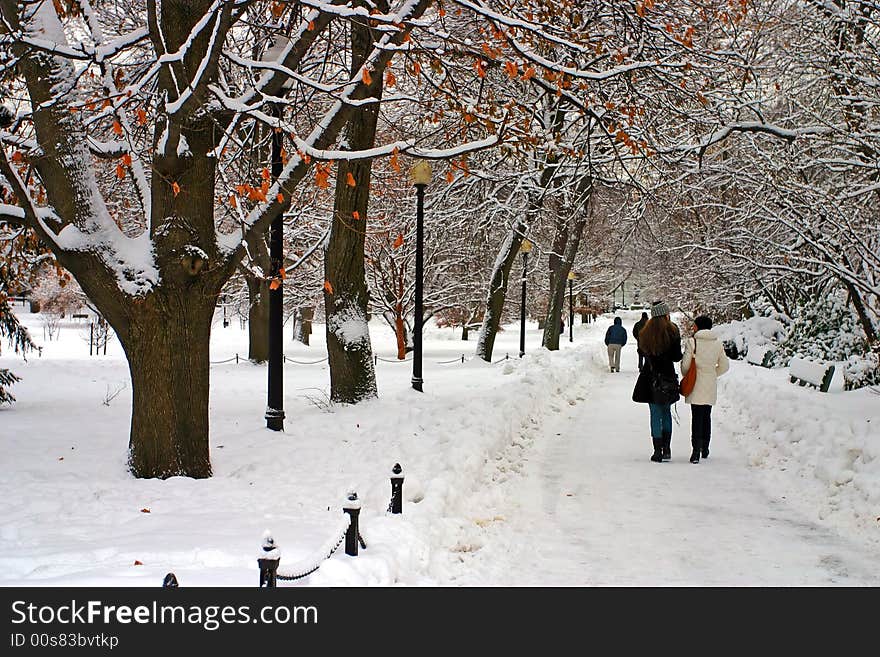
(658, 450)
(667, 452)
(695, 454)
(704, 448)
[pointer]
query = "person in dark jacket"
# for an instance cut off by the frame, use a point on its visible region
(638, 327)
(615, 338)
(657, 384)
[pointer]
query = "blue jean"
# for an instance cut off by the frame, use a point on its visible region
(661, 419)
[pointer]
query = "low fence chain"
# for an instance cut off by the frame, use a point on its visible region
(395, 360)
(306, 568)
(306, 362)
(348, 532)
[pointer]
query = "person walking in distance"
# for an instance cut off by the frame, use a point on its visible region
(615, 338)
(657, 385)
(636, 328)
(705, 352)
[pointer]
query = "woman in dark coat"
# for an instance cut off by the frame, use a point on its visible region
(657, 385)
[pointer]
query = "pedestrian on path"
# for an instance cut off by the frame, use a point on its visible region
(636, 328)
(706, 350)
(657, 384)
(615, 338)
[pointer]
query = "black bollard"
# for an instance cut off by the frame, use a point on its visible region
(268, 561)
(353, 509)
(170, 581)
(397, 489)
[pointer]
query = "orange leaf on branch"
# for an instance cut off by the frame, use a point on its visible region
(398, 242)
(328, 287)
(175, 188)
(349, 180)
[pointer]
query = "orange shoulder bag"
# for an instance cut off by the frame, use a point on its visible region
(689, 380)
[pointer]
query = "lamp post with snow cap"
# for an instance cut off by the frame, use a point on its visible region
(524, 248)
(421, 176)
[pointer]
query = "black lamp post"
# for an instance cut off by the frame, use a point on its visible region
(421, 176)
(275, 403)
(571, 277)
(524, 248)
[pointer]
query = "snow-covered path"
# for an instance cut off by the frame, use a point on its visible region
(580, 504)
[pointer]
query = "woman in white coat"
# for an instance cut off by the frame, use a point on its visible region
(711, 362)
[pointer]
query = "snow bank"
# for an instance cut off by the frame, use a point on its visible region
(821, 452)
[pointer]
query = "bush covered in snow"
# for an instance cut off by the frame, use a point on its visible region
(826, 329)
(862, 370)
(757, 331)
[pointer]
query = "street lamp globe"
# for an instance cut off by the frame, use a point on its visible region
(421, 172)
(572, 276)
(525, 247)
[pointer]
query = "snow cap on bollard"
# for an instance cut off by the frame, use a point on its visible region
(270, 549)
(397, 471)
(170, 581)
(351, 500)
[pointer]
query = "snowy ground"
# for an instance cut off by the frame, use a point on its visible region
(531, 471)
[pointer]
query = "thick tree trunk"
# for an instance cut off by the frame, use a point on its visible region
(167, 346)
(258, 303)
(302, 327)
(507, 255)
(258, 321)
(352, 376)
(559, 268)
(565, 248)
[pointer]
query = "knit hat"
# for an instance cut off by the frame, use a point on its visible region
(659, 308)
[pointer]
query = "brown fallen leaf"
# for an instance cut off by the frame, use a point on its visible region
(145, 510)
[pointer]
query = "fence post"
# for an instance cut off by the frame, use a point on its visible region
(397, 489)
(236, 359)
(170, 581)
(91, 336)
(353, 509)
(268, 561)
(462, 358)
